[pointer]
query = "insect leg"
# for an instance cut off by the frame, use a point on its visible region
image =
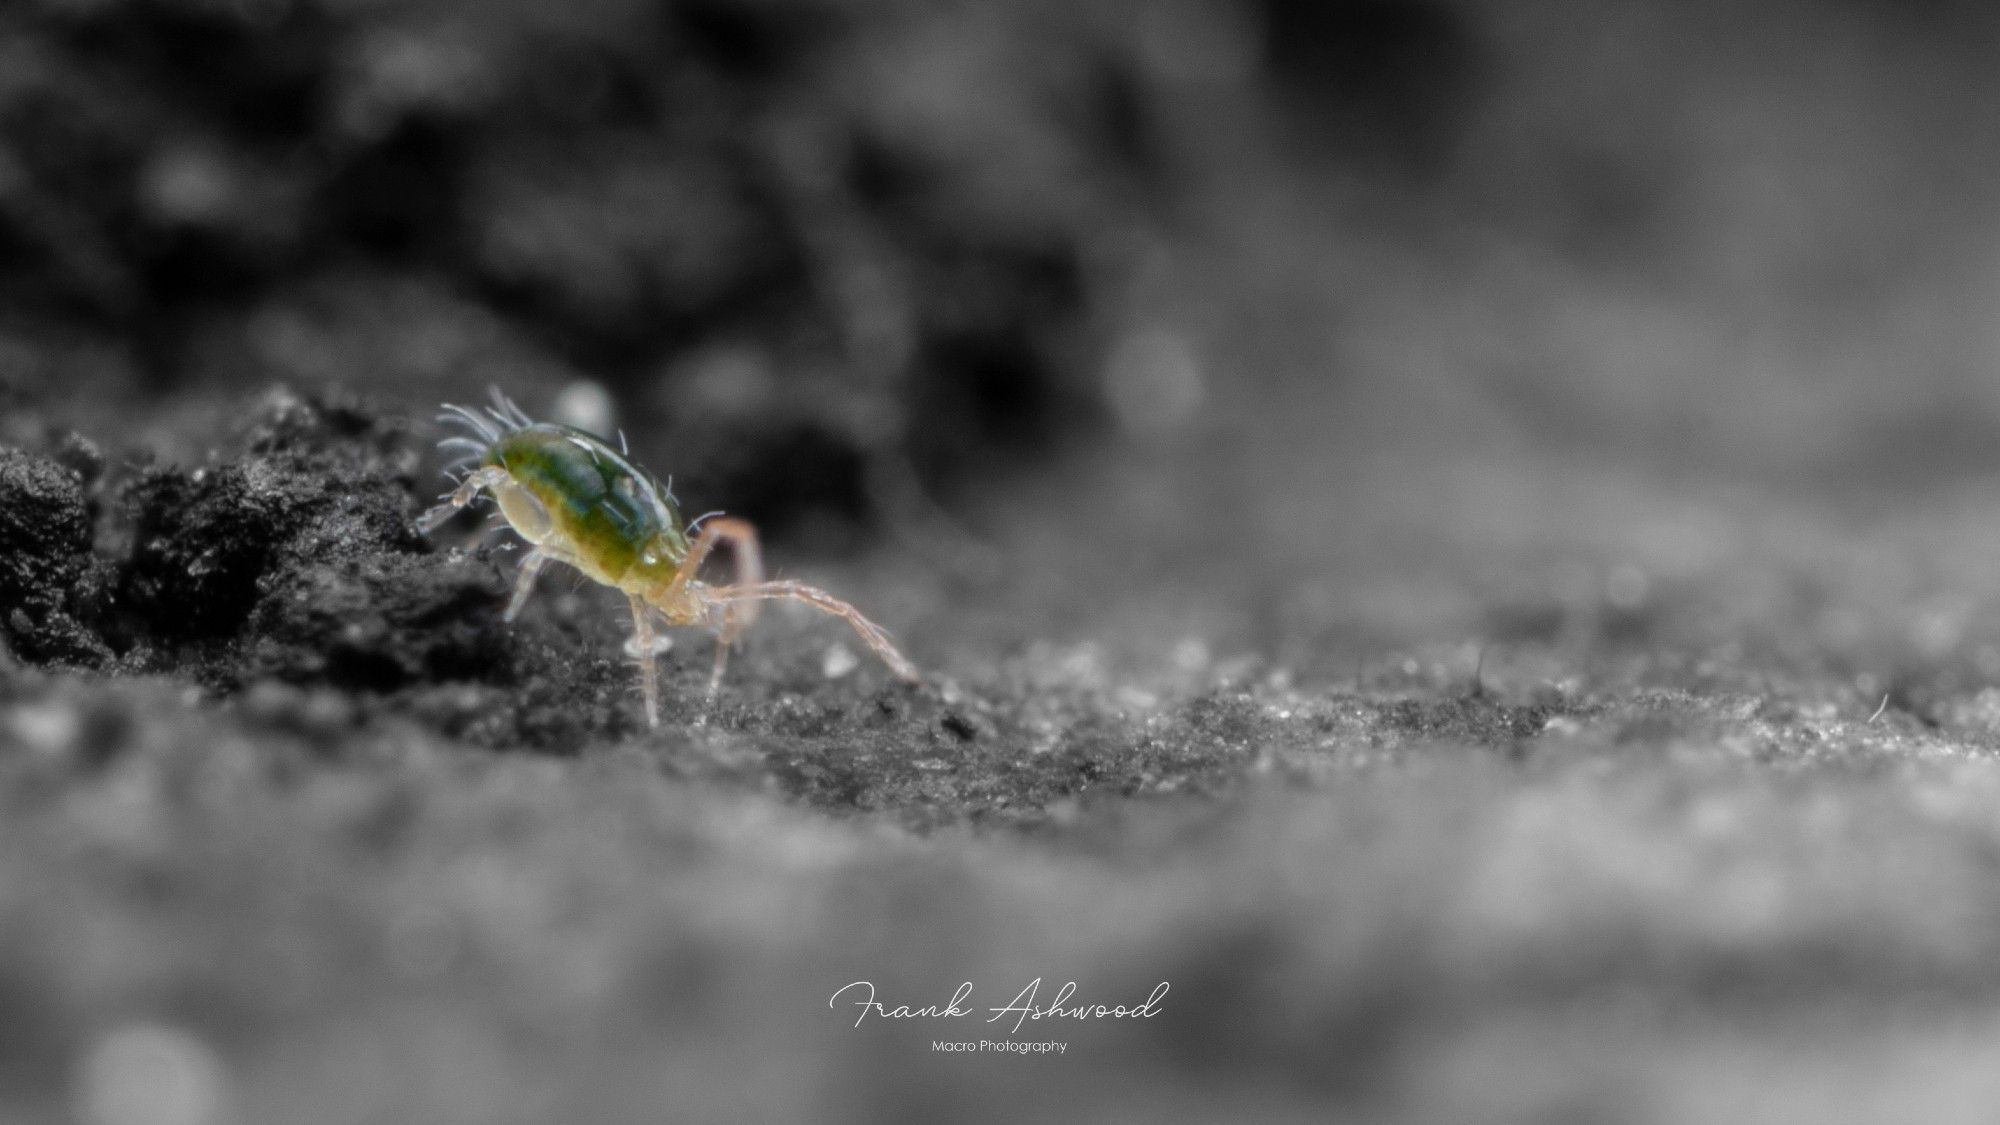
(742, 539)
(467, 489)
(736, 617)
(873, 634)
(524, 581)
(721, 662)
(644, 647)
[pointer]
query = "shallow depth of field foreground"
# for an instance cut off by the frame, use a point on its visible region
(1480, 576)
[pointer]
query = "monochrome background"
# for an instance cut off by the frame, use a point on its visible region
(1461, 536)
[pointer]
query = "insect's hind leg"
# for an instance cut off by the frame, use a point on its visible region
(467, 489)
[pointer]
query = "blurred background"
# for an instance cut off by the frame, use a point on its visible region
(1307, 388)
(1311, 330)
(827, 258)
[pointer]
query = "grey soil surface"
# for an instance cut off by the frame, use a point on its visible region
(1477, 573)
(1528, 795)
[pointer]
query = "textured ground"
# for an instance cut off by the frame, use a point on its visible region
(1505, 792)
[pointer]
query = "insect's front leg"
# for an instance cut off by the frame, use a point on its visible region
(467, 489)
(874, 635)
(741, 536)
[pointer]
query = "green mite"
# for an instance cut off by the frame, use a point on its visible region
(580, 502)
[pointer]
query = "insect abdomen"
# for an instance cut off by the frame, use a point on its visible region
(607, 512)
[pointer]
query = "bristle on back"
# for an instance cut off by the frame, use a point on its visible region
(485, 426)
(510, 416)
(455, 415)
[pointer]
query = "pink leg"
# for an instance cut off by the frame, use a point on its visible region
(742, 540)
(819, 599)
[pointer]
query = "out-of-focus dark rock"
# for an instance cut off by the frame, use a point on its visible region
(906, 215)
(299, 557)
(48, 576)
(209, 542)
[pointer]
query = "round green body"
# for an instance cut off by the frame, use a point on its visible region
(598, 511)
